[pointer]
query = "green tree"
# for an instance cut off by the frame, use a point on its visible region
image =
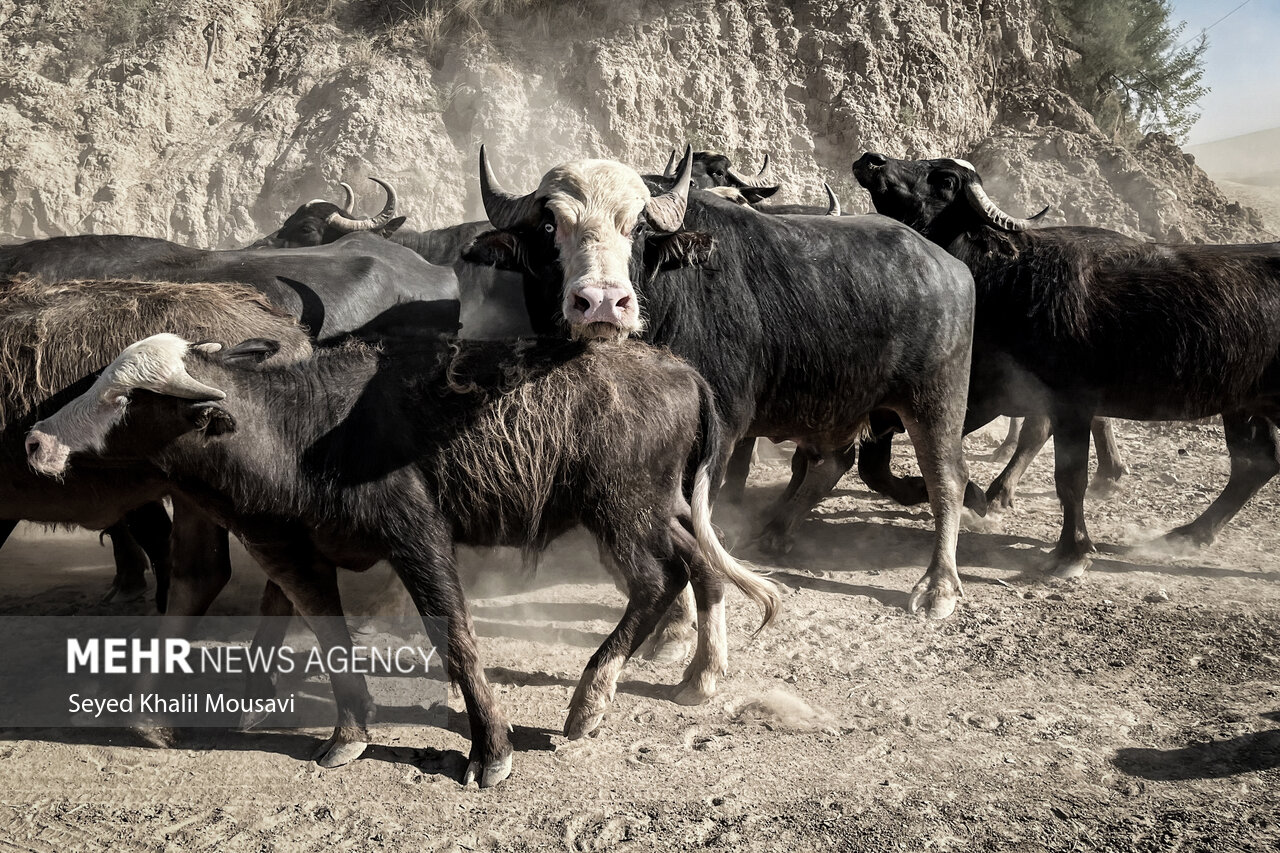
(1134, 73)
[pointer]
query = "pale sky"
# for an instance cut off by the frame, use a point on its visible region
(1242, 65)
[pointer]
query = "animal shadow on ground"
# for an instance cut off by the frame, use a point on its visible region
(871, 539)
(296, 744)
(1248, 753)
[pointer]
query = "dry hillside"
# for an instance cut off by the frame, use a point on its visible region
(203, 121)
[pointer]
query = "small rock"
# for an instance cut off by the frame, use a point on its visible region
(1157, 597)
(1056, 596)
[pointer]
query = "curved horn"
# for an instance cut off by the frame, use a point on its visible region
(833, 203)
(505, 210)
(348, 203)
(759, 181)
(182, 385)
(671, 161)
(373, 223)
(666, 211)
(992, 215)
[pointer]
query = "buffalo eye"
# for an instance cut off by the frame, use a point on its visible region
(549, 227)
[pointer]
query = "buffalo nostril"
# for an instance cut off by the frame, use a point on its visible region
(33, 445)
(623, 303)
(581, 304)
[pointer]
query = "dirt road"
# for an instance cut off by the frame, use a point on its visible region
(1135, 709)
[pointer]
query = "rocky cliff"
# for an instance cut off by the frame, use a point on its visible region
(205, 122)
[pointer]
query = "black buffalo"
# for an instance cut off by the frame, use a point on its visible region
(803, 325)
(1081, 322)
(360, 284)
(491, 301)
(399, 452)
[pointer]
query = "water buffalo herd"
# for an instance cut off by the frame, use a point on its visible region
(602, 352)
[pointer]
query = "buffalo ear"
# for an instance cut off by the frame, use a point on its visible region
(212, 420)
(251, 351)
(391, 227)
(681, 249)
(499, 249)
(758, 194)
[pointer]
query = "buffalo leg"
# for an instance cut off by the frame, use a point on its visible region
(201, 567)
(736, 472)
(669, 642)
(1111, 464)
(130, 582)
(1071, 476)
(151, 527)
(711, 657)
(1004, 452)
(938, 439)
(311, 583)
(430, 574)
(817, 473)
(1254, 448)
(652, 587)
(275, 611)
(200, 557)
(873, 468)
(1031, 438)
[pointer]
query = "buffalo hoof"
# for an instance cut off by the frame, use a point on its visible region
(1066, 566)
(582, 722)
(125, 592)
(933, 601)
(695, 689)
(774, 541)
(250, 720)
(666, 649)
(338, 750)
(1103, 487)
(487, 774)
(998, 500)
(1186, 539)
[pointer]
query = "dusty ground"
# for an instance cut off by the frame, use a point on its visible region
(1091, 715)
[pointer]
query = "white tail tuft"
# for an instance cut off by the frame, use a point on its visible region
(762, 592)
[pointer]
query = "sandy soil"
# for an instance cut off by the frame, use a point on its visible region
(1136, 709)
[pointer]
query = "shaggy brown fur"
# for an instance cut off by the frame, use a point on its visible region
(46, 345)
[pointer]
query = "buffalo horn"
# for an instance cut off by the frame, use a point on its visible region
(833, 203)
(992, 215)
(760, 181)
(505, 210)
(373, 223)
(666, 211)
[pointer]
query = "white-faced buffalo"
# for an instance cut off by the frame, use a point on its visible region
(803, 325)
(360, 284)
(1081, 322)
(398, 453)
(53, 338)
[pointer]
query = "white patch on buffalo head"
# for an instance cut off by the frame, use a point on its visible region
(154, 364)
(596, 205)
(963, 164)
